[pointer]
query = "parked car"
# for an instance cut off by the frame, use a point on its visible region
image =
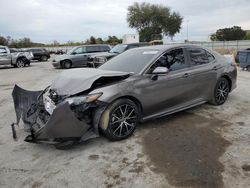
(139, 84)
(98, 59)
(14, 57)
(78, 56)
(40, 54)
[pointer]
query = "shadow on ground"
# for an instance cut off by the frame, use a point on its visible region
(186, 149)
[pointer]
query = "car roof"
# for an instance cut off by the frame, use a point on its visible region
(166, 47)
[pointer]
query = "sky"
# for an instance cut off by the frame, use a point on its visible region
(76, 20)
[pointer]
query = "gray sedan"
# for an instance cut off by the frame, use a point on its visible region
(138, 85)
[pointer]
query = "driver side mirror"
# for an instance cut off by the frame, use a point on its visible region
(160, 70)
(73, 53)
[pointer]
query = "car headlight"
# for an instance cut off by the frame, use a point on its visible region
(83, 99)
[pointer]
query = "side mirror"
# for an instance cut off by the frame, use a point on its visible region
(73, 53)
(160, 70)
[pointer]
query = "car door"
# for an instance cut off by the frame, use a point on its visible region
(79, 56)
(203, 74)
(5, 56)
(169, 91)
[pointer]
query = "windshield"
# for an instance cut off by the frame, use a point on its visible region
(71, 50)
(133, 60)
(119, 48)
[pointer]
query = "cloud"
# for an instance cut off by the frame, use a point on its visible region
(63, 20)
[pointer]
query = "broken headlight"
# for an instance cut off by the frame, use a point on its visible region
(83, 99)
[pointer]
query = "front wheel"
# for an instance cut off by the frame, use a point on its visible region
(120, 119)
(44, 58)
(66, 64)
(20, 63)
(221, 92)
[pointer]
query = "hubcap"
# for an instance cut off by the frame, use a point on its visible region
(20, 63)
(123, 120)
(222, 91)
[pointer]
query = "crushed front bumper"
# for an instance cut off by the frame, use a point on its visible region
(61, 126)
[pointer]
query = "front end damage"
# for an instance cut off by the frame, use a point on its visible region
(55, 121)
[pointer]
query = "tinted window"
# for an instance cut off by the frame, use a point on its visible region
(92, 49)
(133, 60)
(173, 60)
(3, 51)
(132, 46)
(198, 56)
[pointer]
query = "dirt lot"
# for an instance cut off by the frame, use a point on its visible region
(206, 146)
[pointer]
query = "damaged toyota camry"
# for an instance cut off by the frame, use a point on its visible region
(138, 85)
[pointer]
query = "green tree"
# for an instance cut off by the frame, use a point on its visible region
(226, 34)
(247, 37)
(152, 21)
(92, 40)
(3, 41)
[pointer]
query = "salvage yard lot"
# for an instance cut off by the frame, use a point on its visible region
(207, 146)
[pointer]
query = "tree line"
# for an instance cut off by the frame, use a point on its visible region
(27, 42)
(231, 33)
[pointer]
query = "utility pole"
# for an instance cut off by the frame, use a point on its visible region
(187, 30)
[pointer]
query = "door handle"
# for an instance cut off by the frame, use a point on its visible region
(185, 75)
(215, 68)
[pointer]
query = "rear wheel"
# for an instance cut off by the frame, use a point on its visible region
(20, 63)
(66, 64)
(44, 58)
(221, 92)
(120, 119)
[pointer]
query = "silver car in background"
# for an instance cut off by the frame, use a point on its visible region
(14, 57)
(137, 85)
(78, 56)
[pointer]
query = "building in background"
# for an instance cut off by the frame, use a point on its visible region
(130, 38)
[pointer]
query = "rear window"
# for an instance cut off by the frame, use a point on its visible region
(104, 48)
(198, 56)
(92, 49)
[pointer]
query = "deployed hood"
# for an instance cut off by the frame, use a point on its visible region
(71, 82)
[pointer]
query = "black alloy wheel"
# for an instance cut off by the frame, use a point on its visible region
(123, 119)
(221, 91)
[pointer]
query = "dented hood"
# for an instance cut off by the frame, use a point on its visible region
(71, 82)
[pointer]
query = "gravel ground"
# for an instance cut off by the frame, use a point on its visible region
(207, 146)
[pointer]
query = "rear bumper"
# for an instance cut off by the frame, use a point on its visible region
(62, 125)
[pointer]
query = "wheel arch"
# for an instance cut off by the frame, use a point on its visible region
(229, 81)
(61, 62)
(132, 98)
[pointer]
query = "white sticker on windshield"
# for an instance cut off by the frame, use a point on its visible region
(150, 52)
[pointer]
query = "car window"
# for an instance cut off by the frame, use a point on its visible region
(104, 48)
(93, 49)
(134, 60)
(210, 57)
(198, 56)
(80, 50)
(132, 46)
(3, 51)
(173, 60)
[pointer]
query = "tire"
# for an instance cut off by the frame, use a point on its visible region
(66, 64)
(120, 119)
(20, 63)
(44, 58)
(221, 92)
